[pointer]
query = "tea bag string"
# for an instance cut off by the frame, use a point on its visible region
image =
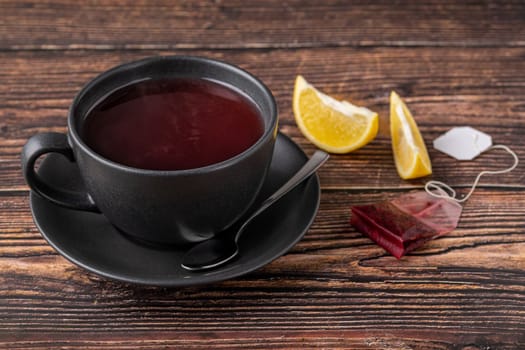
(447, 192)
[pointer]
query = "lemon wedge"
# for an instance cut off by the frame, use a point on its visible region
(410, 152)
(332, 125)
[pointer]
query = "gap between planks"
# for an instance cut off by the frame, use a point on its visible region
(261, 46)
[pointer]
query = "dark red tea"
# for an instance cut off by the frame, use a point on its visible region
(173, 124)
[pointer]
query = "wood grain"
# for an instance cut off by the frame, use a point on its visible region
(455, 63)
(334, 280)
(444, 88)
(62, 24)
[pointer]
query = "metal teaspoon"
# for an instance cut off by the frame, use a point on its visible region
(222, 248)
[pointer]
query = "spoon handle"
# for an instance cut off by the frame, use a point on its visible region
(314, 163)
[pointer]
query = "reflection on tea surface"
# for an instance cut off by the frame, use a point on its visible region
(173, 124)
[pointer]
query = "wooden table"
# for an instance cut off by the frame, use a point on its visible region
(455, 63)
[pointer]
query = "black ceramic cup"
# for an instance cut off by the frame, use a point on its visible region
(172, 206)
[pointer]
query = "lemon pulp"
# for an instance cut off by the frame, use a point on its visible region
(332, 125)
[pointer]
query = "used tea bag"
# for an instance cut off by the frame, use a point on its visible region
(408, 221)
(405, 223)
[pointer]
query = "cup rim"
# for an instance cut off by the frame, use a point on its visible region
(270, 131)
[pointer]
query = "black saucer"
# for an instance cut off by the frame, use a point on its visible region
(91, 242)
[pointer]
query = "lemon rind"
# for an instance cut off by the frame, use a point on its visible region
(421, 164)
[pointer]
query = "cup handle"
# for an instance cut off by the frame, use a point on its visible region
(52, 142)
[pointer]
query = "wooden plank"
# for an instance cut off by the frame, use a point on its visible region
(331, 233)
(325, 339)
(62, 24)
(366, 339)
(443, 87)
(335, 286)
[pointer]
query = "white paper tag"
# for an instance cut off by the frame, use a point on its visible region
(463, 143)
